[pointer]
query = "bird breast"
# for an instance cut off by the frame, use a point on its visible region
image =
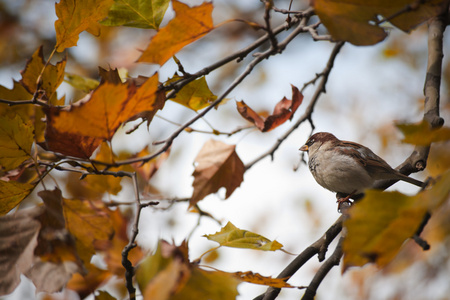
(338, 173)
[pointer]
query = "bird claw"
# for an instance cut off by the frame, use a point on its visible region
(344, 202)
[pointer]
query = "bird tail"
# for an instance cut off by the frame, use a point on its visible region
(412, 180)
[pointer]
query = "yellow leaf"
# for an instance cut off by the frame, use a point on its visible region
(16, 139)
(380, 223)
(256, 278)
(137, 13)
(218, 166)
(195, 95)
(231, 236)
(189, 25)
(51, 78)
(422, 134)
(75, 16)
(79, 129)
(88, 223)
(82, 83)
(27, 112)
(168, 274)
(354, 20)
(12, 193)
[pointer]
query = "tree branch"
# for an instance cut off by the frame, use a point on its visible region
(309, 110)
(318, 247)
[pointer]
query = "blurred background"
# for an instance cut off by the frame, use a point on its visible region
(369, 90)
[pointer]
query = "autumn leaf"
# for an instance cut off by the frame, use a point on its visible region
(256, 278)
(148, 169)
(51, 78)
(12, 193)
(80, 128)
(82, 83)
(112, 249)
(76, 16)
(231, 236)
(136, 13)
(18, 239)
(218, 166)
(422, 133)
(31, 113)
(380, 223)
(354, 20)
(88, 223)
(189, 25)
(85, 285)
(195, 95)
(284, 110)
(168, 274)
(16, 139)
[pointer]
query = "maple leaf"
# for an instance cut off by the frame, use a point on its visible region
(256, 278)
(354, 20)
(16, 139)
(88, 223)
(75, 16)
(137, 13)
(80, 128)
(189, 25)
(12, 193)
(195, 95)
(51, 78)
(18, 239)
(231, 236)
(381, 222)
(169, 274)
(422, 133)
(284, 110)
(218, 166)
(82, 83)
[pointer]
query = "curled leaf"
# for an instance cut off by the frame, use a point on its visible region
(218, 166)
(231, 236)
(284, 110)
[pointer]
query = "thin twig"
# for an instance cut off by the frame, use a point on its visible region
(129, 268)
(309, 110)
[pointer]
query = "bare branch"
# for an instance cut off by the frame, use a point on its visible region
(318, 247)
(309, 110)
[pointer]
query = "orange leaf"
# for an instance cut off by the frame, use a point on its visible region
(189, 25)
(75, 16)
(80, 128)
(218, 166)
(283, 111)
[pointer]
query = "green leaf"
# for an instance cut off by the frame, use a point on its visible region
(12, 193)
(16, 139)
(137, 13)
(380, 223)
(231, 236)
(196, 95)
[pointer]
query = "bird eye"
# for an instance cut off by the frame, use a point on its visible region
(310, 142)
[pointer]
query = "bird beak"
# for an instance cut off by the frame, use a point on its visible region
(303, 148)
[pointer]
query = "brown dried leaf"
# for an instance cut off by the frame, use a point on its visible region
(284, 110)
(18, 239)
(218, 166)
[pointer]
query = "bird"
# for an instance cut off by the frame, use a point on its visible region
(347, 168)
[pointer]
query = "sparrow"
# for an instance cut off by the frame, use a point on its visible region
(347, 168)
